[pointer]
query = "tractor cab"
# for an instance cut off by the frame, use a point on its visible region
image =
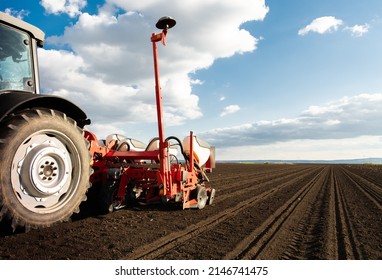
(18, 47)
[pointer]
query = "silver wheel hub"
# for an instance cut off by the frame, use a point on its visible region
(42, 172)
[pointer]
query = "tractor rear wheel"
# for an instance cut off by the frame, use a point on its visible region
(45, 168)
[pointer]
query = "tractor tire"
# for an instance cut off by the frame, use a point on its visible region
(45, 168)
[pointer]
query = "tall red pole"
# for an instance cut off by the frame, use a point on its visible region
(163, 151)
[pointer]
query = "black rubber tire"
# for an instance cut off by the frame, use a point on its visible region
(45, 168)
(108, 198)
(132, 195)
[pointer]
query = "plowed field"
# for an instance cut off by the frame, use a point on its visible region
(261, 211)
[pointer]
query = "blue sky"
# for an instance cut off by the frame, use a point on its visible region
(257, 79)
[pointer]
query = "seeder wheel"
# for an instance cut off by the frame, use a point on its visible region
(211, 196)
(202, 197)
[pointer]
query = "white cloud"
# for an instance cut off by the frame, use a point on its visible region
(18, 14)
(101, 100)
(321, 25)
(358, 30)
(306, 149)
(108, 71)
(348, 117)
(70, 7)
(230, 110)
(196, 82)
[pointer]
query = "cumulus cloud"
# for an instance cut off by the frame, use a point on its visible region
(107, 66)
(70, 7)
(230, 110)
(344, 118)
(329, 24)
(321, 25)
(358, 30)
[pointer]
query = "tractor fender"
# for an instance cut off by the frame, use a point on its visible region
(13, 101)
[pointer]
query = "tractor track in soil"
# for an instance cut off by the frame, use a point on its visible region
(261, 211)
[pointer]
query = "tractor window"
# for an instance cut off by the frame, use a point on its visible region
(15, 60)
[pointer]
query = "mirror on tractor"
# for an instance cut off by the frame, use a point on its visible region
(165, 23)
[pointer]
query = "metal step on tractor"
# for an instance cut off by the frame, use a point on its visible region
(48, 160)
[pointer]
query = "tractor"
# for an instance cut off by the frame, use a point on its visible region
(49, 161)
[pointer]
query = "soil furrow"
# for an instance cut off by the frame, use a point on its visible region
(372, 191)
(347, 248)
(263, 244)
(312, 234)
(255, 186)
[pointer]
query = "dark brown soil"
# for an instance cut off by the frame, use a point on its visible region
(261, 211)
